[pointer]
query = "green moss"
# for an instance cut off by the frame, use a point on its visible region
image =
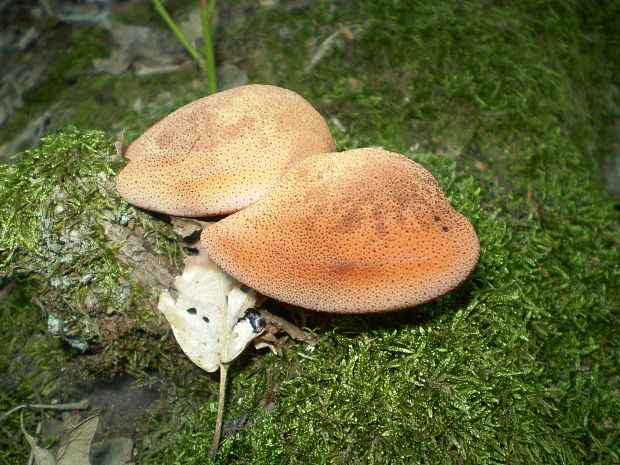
(23, 343)
(516, 366)
(448, 75)
(520, 364)
(55, 204)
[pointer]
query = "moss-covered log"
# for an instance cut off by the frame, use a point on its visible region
(94, 264)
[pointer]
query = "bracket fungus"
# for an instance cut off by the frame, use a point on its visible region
(360, 231)
(221, 153)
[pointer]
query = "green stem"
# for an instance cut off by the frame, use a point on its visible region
(217, 434)
(206, 16)
(177, 32)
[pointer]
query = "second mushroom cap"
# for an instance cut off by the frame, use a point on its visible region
(223, 152)
(365, 230)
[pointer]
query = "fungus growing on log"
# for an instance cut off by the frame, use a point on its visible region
(221, 153)
(361, 231)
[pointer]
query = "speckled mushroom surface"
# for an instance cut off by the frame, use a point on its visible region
(221, 153)
(365, 230)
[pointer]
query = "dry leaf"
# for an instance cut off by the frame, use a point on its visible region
(208, 317)
(75, 446)
(41, 456)
(213, 320)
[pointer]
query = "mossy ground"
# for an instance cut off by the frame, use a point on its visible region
(506, 104)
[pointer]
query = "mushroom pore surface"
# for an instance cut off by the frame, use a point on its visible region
(365, 230)
(221, 153)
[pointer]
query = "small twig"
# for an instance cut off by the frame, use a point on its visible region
(38, 433)
(288, 327)
(6, 290)
(119, 145)
(177, 32)
(80, 405)
(31, 456)
(38, 303)
(270, 392)
(327, 46)
(206, 16)
(217, 434)
(48, 8)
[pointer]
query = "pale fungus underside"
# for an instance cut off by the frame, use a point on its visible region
(221, 153)
(365, 230)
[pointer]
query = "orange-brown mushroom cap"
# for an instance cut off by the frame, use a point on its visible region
(360, 231)
(221, 153)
